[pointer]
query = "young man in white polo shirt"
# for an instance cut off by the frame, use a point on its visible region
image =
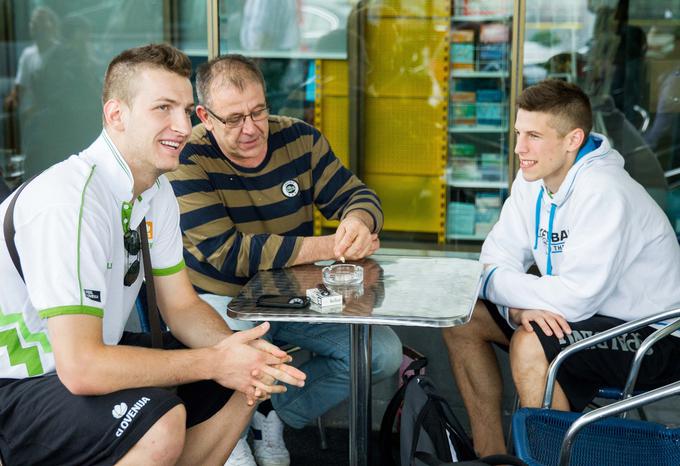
(606, 254)
(76, 238)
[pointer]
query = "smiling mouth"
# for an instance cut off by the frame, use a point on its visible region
(248, 143)
(170, 144)
(526, 163)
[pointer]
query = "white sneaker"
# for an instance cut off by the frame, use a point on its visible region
(241, 455)
(268, 443)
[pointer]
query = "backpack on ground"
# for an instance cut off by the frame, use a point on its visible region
(428, 431)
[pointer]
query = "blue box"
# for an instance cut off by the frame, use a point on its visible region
(490, 113)
(489, 95)
(460, 219)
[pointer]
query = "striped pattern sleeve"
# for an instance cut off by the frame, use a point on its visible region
(337, 191)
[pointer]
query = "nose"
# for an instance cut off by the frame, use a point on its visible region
(520, 144)
(181, 122)
(248, 125)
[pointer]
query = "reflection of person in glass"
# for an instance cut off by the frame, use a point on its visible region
(70, 73)
(44, 29)
(270, 25)
(275, 26)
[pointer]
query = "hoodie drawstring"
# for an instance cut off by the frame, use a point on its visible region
(553, 208)
(538, 215)
(548, 268)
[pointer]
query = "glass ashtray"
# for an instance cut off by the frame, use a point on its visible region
(343, 274)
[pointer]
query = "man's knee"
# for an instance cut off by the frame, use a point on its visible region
(386, 352)
(526, 350)
(164, 441)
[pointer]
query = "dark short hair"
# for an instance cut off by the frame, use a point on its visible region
(232, 69)
(565, 101)
(120, 73)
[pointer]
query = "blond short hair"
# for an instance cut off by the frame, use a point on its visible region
(119, 77)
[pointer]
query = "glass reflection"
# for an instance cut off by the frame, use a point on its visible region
(56, 60)
(626, 55)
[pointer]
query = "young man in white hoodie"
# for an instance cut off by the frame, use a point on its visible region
(606, 254)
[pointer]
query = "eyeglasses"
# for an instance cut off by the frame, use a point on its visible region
(133, 245)
(237, 120)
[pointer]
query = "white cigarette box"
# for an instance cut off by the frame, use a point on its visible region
(316, 297)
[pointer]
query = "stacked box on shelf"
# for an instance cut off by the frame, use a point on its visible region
(492, 167)
(462, 150)
(460, 218)
(487, 210)
(463, 49)
(464, 162)
(464, 108)
(493, 46)
(485, 7)
(490, 108)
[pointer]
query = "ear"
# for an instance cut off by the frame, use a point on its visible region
(203, 115)
(113, 114)
(575, 139)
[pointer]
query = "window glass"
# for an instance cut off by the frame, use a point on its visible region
(626, 56)
(56, 53)
(285, 28)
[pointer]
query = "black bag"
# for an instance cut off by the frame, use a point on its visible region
(429, 432)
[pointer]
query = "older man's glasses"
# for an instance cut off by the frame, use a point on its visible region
(133, 245)
(238, 119)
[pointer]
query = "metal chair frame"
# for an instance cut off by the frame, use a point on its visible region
(628, 401)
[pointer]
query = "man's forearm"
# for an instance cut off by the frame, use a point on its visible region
(315, 248)
(197, 325)
(107, 369)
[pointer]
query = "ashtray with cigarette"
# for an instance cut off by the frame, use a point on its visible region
(343, 274)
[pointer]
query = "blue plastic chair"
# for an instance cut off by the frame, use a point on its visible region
(546, 437)
(540, 435)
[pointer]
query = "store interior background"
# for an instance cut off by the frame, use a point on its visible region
(416, 96)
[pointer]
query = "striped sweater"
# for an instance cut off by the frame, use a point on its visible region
(236, 220)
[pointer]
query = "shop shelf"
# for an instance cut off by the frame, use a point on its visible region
(478, 129)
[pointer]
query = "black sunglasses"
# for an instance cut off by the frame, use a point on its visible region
(133, 245)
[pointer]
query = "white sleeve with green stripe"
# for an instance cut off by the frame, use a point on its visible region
(166, 236)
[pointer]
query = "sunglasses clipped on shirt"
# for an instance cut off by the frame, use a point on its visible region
(133, 246)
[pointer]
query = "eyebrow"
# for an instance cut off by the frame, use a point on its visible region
(254, 109)
(173, 102)
(531, 131)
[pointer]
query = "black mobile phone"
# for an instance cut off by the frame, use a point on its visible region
(288, 301)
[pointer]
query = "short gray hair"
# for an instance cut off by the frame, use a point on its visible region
(231, 69)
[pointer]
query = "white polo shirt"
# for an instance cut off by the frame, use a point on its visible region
(70, 222)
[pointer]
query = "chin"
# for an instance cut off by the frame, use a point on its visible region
(167, 167)
(529, 177)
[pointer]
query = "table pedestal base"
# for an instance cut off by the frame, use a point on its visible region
(360, 395)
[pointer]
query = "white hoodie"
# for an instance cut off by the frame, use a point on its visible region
(613, 251)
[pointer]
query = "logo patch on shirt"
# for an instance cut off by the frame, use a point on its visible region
(94, 295)
(149, 230)
(119, 411)
(290, 188)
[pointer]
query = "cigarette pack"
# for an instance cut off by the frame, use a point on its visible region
(317, 297)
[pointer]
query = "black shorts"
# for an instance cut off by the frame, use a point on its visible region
(606, 365)
(42, 423)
